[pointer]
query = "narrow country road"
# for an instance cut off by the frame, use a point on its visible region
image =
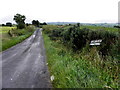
(24, 65)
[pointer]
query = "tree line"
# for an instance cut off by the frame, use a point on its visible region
(20, 20)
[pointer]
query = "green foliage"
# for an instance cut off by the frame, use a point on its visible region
(44, 23)
(13, 41)
(56, 33)
(20, 20)
(77, 38)
(14, 36)
(30, 28)
(9, 24)
(36, 23)
(19, 32)
(72, 70)
(103, 58)
(21, 26)
(48, 28)
(3, 24)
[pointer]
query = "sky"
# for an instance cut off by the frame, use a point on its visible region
(84, 11)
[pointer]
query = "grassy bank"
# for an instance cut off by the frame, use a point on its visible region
(71, 71)
(74, 63)
(13, 41)
(11, 36)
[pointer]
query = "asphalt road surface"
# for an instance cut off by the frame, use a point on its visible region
(24, 65)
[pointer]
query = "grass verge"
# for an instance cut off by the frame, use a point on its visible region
(70, 70)
(13, 41)
(14, 36)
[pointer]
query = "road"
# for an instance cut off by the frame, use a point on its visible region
(24, 65)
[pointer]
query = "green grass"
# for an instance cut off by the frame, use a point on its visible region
(18, 35)
(5, 29)
(99, 28)
(7, 43)
(71, 70)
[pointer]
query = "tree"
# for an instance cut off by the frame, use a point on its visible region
(116, 26)
(20, 20)
(3, 24)
(33, 22)
(27, 24)
(8, 24)
(36, 23)
(44, 23)
(78, 24)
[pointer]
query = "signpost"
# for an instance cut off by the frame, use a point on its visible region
(95, 42)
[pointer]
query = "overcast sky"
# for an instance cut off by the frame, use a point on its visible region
(84, 11)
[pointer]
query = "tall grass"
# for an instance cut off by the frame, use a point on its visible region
(71, 70)
(13, 41)
(104, 59)
(15, 36)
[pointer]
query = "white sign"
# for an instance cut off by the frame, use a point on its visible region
(95, 42)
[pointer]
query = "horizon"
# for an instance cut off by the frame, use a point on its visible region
(68, 22)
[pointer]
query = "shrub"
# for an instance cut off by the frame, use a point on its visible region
(56, 33)
(21, 26)
(77, 38)
(106, 56)
(19, 32)
(48, 28)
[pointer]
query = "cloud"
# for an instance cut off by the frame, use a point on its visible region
(61, 10)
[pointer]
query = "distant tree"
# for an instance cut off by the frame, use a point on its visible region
(41, 23)
(33, 22)
(44, 23)
(27, 24)
(78, 24)
(116, 26)
(20, 20)
(8, 24)
(36, 23)
(3, 24)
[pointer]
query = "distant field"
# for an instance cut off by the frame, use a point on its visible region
(6, 29)
(4, 32)
(99, 28)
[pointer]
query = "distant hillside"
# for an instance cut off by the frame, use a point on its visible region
(94, 24)
(60, 23)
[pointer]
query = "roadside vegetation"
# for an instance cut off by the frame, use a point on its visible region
(11, 35)
(76, 64)
(5, 29)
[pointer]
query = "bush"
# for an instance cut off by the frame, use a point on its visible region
(30, 28)
(19, 32)
(48, 28)
(77, 38)
(56, 33)
(21, 26)
(106, 56)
